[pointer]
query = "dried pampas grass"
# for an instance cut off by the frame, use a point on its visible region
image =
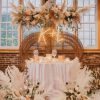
(85, 9)
(30, 5)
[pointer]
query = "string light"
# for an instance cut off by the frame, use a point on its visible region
(52, 32)
(42, 35)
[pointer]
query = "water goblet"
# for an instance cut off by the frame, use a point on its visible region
(54, 53)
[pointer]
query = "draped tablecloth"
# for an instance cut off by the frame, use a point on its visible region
(51, 72)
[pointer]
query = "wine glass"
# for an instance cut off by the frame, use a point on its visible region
(54, 53)
(35, 52)
(36, 55)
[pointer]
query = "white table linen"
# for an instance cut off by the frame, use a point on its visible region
(51, 72)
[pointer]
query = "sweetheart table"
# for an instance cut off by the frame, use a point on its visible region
(52, 72)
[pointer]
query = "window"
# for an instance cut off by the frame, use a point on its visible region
(36, 3)
(9, 37)
(8, 32)
(87, 32)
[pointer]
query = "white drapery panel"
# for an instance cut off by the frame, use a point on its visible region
(52, 72)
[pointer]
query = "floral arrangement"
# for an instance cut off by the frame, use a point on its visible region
(49, 15)
(95, 84)
(15, 85)
(25, 94)
(78, 90)
(73, 93)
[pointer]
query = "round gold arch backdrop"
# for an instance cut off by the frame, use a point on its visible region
(70, 46)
